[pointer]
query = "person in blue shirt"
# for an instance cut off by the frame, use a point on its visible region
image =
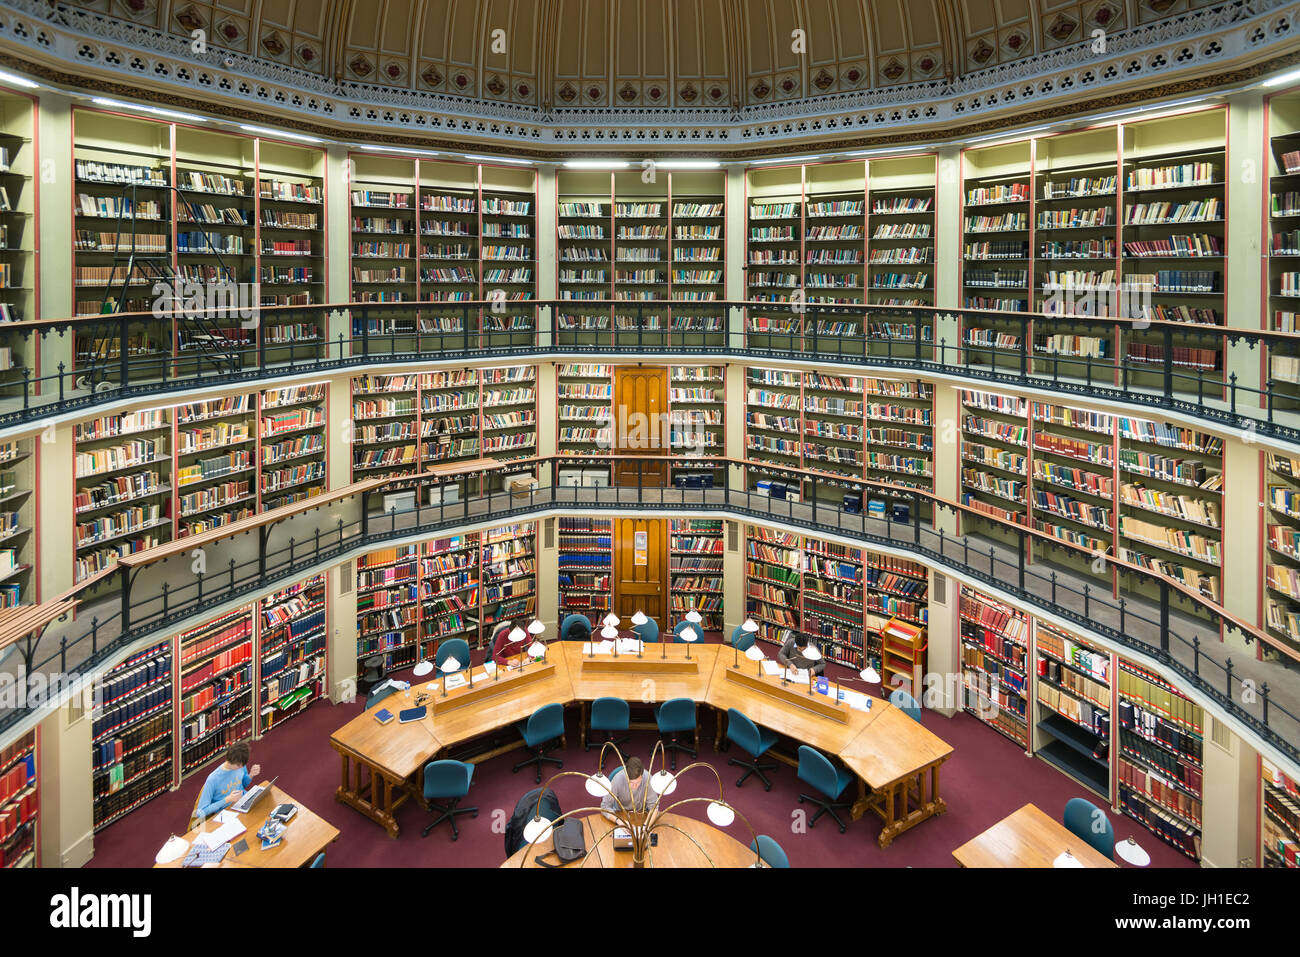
(227, 784)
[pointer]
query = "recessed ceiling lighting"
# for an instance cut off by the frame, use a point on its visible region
(15, 80)
(499, 159)
(785, 159)
(378, 148)
(596, 164)
(686, 164)
(280, 134)
(153, 110)
(1283, 79)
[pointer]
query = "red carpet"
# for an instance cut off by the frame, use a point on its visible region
(986, 779)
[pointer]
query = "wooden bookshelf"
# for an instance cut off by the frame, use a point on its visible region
(20, 803)
(215, 688)
(901, 235)
(17, 519)
(1279, 818)
(216, 463)
(994, 456)
(292, 652)
(697, 412)
(388, 600)
(997, 247)
(1282, 235)
(291, 444)
(995, 664)
(773, 583)
(774, 250)
(585, 395)
(1160, 757)
(835, 238)
(19, 295)
(131, 743)
(509, 564)
(1281, 559)
(695, 570)
(586, 567)
(896, 590)
(449, 578)
(832, 604)
(1073, 707)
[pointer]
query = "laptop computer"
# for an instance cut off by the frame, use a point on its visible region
(252, 796)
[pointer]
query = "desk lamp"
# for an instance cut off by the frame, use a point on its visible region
(748, 626)
(537, 650)
(812, 653)
(1131, 852)
(870, 675)
(422, 668)
(694, 617)
(639, 619)
(515, 638)
(538, 827)
(449, 666)
(610, 620)
(689, 635)
(535, 628)
(173, 849)
(610, 633)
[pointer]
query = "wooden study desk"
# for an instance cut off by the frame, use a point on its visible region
(496, 703)
(683, 842)
(306, 836)
(1027, 838)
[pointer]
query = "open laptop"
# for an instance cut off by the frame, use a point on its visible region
(252, 796)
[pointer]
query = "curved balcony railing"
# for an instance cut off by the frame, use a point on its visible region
(1226, 377)
(155, 592)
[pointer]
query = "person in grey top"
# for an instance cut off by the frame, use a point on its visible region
(791, 656)
(631, 791)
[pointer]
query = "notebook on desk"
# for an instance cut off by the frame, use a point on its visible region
(412, 714)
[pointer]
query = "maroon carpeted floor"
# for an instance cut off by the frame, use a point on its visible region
(986, 779)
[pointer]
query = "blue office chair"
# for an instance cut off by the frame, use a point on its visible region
(1084, 819)
(457, 648)
(609, 715)
(682, 626)
(753, 740)
(319, 862)
(575, 628)
(769, 851)
(379, 694)
(447, 781)
(649, 632)
(901, 699)
(742, 639)
(543, 727)
(816, 769)
(675, 716)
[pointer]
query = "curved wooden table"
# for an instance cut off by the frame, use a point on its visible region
(716, 848)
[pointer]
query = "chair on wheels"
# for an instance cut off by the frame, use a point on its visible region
(769, 851)
(543, 727)
(447, 781)
(682, 626)
(816, 769)
(649, 632)
(753, 740)
(741, 639)
(457, 648)
(377, 695)
(675, 716)
(901, 699)
(609, 715)
(575, 628)
(372, 672)
(1084, 819)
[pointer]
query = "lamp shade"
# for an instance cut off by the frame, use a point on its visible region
(610, 620)
(517, 634)
(536, 626)
(422, 669)
(689, 634)
(749, 625)
(450, 663)
(639, 618)
(537, 649)
(1131, 852)
(811, 653)
(174, 848)
(597, 785)
(720, 814)
(1066, 859)
(694, 617)
(870, 675)
(663, 783)
(537, 829)
(609, 631)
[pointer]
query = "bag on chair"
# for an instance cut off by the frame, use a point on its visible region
(570, 843)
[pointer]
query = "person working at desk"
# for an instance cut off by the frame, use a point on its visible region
(791, 656)
(629, 791)
(227, 784)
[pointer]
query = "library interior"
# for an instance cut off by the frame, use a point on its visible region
(920, 477)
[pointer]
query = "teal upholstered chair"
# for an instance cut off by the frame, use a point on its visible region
(379, 694)
(649, 632)
(816, 769)
(609, 715)
(575, 628)
(457, 648)
(447, 781)
(540, 731)
(1084, 819)
(742, 639)
(753, 740)
(901, 699)
(319, 861)
(769, 851)
(676, 716)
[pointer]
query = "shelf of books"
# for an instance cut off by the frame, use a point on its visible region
(1175, 221)
(901, 237)
(17, 519)
(509, 563)
(833, 430)
(642, 257)
(216, 463)
(585, 395)
(1281, 596)
(697, 250)
(773, 583)
(586, 567)
(1279, 818)
(383, 248)
(900, 433)
(252, 213)
(291, 652)
(834, 241)
(997, 261)
(832, 605)
(697, 411)
(131, 743)
(1159, 761)
(896, 589)
(291, 433)
(508, 398)
(774, 253)
(1073, 707)
(449, 579)
(386, 425)
(585, 255)
(995, 664)
(507, 251)
(123, 475)
(773, 424)
(18, 229)
(994, 458)
(449, 219)
(388, 600)
(215, 688)
(695, 553)
(1177, 473)
(1283, 238)
(19, 804)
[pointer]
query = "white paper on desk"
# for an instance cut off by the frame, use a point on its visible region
(489, 668)
(771, 668)
(456, 680)
(754, 654)
(602, 647)
(628, 646)
(797, 676)
(855, 700)
(228, 831)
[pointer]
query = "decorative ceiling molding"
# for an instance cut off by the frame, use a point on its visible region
(1199, 51)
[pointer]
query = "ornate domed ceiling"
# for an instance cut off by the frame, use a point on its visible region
(639, 54)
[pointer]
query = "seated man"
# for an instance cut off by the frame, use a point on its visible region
(630, 791)
(227, 783)
(790, 656)
(504, 651)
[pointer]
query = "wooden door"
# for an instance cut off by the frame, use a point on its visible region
(640, 423)
(641, 569)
